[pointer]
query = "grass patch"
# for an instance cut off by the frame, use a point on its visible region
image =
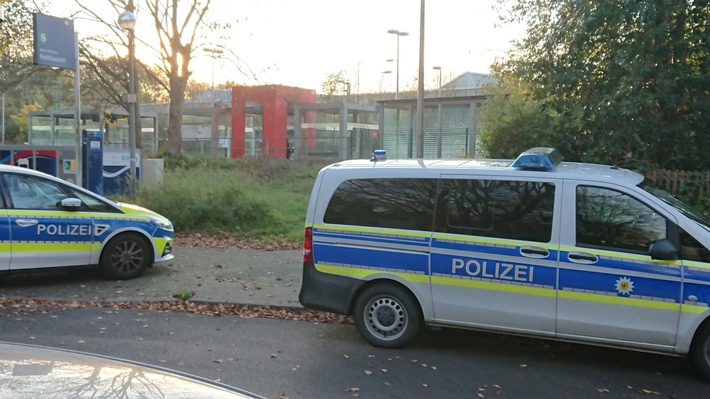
(264, 199)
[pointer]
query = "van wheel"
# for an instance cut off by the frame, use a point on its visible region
(700, 352)
(387, 316)
(125, 257)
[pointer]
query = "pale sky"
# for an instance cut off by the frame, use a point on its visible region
(300, 42)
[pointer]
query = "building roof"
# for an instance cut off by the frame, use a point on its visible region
(468, 81)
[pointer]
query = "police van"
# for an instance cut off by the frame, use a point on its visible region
(48, 223)
(534, 246)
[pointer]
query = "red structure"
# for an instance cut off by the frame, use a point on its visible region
(275, 100)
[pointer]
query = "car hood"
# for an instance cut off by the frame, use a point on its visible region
(29, 372)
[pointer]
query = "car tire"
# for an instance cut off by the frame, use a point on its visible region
(125, 257)
(700, 351)
(387, 316)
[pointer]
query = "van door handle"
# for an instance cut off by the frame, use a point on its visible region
(534, 252)
(26, 222)
(582, 257)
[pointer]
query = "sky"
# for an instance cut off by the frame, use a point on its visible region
(301, 42)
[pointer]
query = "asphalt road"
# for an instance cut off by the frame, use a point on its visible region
(297, 359)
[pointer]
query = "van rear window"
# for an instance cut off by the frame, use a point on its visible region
(397, 203)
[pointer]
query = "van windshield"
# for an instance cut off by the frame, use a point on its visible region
(681, 206)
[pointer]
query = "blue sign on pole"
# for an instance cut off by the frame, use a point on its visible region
(54, 42)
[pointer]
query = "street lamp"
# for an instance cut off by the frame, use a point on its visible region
(398, 33)
(438, 68)
(214, 53)
(127, 21)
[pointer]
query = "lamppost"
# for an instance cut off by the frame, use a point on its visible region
(214, 53)
(398, 33)
(127, 21)
(438, 68)
(439, 117)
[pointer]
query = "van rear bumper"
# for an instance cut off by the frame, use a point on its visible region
(327, 292)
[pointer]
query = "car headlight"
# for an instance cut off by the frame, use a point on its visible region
(162, 223)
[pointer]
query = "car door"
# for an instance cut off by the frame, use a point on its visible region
(43, 233)
(494, 253)
(5, 241)
(610, 289)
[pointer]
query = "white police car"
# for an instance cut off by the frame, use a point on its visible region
(572, 251)
(46, 222)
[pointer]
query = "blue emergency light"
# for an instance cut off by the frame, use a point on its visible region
(540, 158)
(379, 155)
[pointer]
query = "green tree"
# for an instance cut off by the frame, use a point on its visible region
(626, 82)
(21, 120)
(15, 43)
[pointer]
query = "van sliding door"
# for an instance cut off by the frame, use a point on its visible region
(494, 253)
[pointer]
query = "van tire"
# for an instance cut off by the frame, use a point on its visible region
(700, 351)
(125, 257)
(387, 316)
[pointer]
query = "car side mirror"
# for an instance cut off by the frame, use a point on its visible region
(71, 203)
(663, 250)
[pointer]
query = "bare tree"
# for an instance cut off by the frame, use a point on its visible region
(178, 24)
(181, 28)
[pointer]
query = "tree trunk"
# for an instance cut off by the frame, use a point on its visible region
(177, 100)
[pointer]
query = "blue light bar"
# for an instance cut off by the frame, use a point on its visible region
(540, 158)
(379, 155)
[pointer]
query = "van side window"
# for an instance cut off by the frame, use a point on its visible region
(391, 203)
(611, 219)
(518, 210)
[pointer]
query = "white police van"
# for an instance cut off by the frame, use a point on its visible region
(48, 223)
(572, 251)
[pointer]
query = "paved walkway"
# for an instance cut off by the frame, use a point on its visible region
(240, 276)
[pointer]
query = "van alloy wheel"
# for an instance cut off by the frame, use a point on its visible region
(387, 316)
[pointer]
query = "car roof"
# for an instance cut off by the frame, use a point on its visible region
(19, 169)
(31, 371)
(501, 167)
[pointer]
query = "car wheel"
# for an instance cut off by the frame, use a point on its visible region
(125, 257)
(700, 352)
(387, 316)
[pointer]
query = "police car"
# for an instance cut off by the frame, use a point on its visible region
(46, 222)
(533, 246)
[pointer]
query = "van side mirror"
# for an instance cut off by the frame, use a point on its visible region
(663, 250)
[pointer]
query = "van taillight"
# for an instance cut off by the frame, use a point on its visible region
(308, 245)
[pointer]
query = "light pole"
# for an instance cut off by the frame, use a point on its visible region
(439, 117)
(382, 78)
(214, 53)
(127, 21)
(438, 68)
(398, 33)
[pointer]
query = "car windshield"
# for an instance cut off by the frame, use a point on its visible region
(676, 203)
